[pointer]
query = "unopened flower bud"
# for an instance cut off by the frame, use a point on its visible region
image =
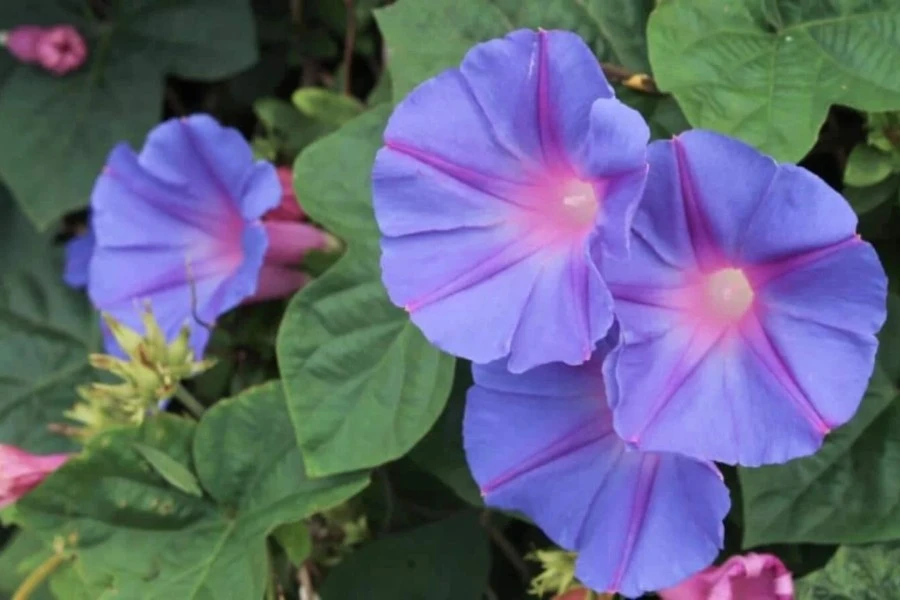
(21, 42)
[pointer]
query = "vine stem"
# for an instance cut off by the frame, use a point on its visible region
(37, 577)
(189, 401)
(505, 546)
(349, 43)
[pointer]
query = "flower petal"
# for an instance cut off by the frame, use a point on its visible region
(78, 259)
(545, 78)
(542, 443)
(215, 164)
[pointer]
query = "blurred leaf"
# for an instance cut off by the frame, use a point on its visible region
(288, 130)
(424, 37)
(867, 166)
(46, 333)
(170, 469)
(866, 199)
(22, 554)
(847, 492)
(326, 106)
(360, 378)
(133, 532)
(333, 13)
(294, 538)
(447, 560)
(855, 573)
(382, 91)
(768, 72)
(67, 125)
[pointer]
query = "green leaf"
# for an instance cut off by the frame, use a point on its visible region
(294, 538)
(768, 72)
(326, 106)
(848, 491)
(421, 44)
(866, 199)
(67, 125)
(855, 573)
(46, 333)
(134, 533)
(22, 554)
(287, 130)
(363, 384)
(867, 166)
(170, 469)
(447, 560)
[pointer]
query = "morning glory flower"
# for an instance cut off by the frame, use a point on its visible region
(748, 308)
(500, 186)
(180, 225)
(543, 443)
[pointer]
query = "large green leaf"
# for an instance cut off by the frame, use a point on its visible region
(140, 537)
(58, 130)
(768, 71)
(421, 44)
(447, 560)
(847, 492)
(46, 333)
(363, 384)
(855, 573)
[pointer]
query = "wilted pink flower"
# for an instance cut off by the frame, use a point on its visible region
(61, 49)
(289, 208)
(58, 49)
(20, 472)
(749, 577)
(290, 238)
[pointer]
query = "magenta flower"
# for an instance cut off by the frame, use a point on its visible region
(21, 472)
(750, 577)
(748, 308)
(59, 49)
(499, 186)
(542, 443)
(187, 213)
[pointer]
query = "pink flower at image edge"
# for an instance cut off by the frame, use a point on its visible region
(20, 471)
(748, 577)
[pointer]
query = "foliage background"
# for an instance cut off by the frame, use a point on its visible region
(335, 457)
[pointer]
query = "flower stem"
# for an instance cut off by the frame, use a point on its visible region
(189, 401)
(37, 577)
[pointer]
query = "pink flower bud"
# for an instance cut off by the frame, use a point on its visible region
(20, 471)
(61, 49)
(749, 577)
(22, 42)
(289, 209)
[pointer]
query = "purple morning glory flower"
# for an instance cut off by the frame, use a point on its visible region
(748, 308)
(543, 443)
(186, 212)
(499, 187)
